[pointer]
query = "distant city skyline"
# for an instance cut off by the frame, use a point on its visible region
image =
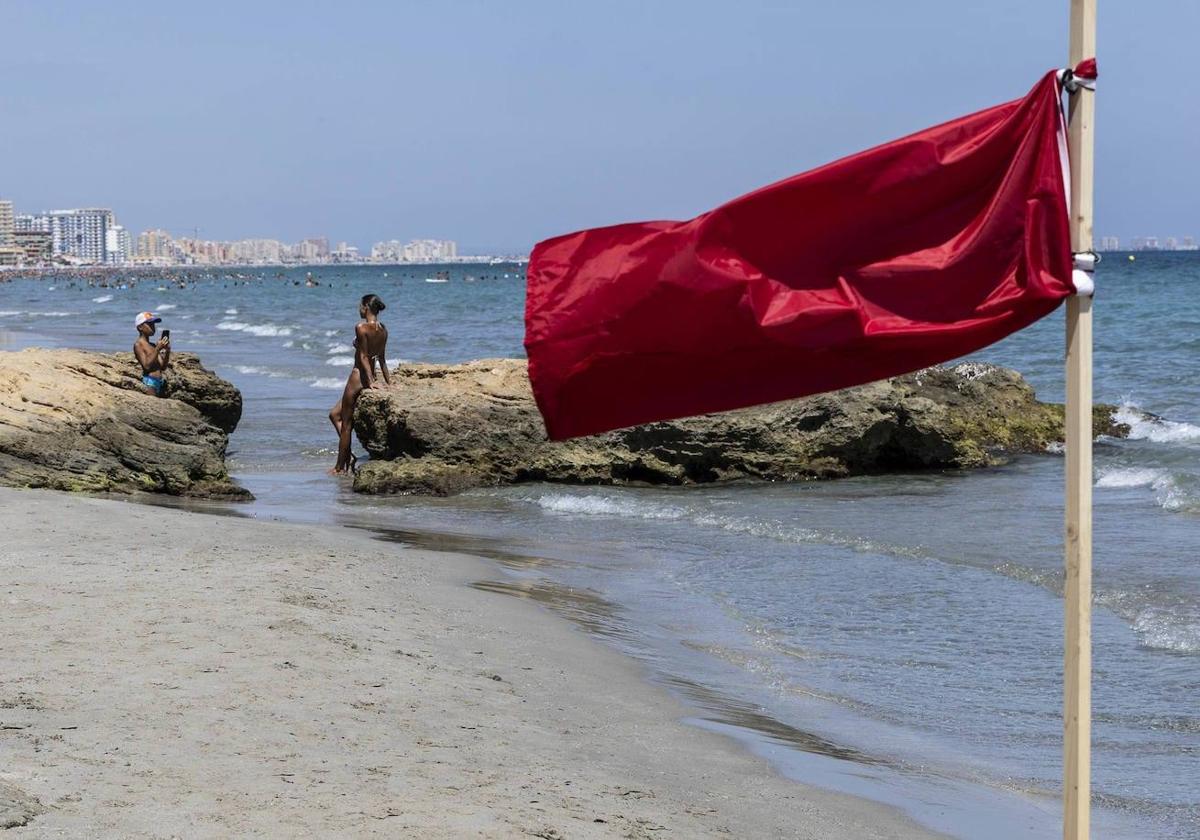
(271, 119)
(92, 236)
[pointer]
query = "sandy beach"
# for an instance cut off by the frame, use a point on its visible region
(175, 674)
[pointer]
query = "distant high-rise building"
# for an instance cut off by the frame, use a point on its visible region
(25, 221)
(35, 246)
(154, 245)
(320, 245)
(118, 248)
(257, 251)
(7, 224)
(390, 251)
(1188, 244)
(9, 253)
(345, 252)
(1110, 243)
(419, 250)
(307, 251)
(81, 234)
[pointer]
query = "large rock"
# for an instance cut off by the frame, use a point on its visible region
(72, 420)
(444, 428)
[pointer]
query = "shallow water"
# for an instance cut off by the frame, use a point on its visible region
(897, 637)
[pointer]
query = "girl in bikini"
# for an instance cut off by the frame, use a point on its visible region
(370, 342)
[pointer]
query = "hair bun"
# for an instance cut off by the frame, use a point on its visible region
(373, 303)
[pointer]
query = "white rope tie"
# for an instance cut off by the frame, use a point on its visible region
(1083, 272)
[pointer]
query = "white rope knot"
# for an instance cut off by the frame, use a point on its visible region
(1083, 272)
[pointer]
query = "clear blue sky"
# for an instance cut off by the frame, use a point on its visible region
(501, 123)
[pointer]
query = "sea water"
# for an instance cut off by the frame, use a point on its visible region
(897, 637)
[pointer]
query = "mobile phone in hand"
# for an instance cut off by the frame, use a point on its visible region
(166, 334)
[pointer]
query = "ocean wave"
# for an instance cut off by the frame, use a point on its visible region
(288, 343)
(593, 504)
(1168, 629)
(164, 307)
(8, 313)
(330, 333)
(1174, 628)
(339, 348)
(54, 314)
(1172, 624)
(1171, 491)
(231, 312)
(255, 329)
(329, 382)
(1130, 477)
(1143, 426)
(341, 361)
(268, 330)
(251, 370)
(102, 299)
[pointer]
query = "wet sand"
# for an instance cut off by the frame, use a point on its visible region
(176, 674)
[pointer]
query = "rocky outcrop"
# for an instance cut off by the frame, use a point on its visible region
(441, 429)
(73, 420)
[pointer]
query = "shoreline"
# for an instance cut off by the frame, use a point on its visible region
(277, 679)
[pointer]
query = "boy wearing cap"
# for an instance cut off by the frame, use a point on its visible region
(154, 358)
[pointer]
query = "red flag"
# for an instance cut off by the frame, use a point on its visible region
(893, 259)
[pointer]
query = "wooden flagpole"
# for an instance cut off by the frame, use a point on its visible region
(1077, 594)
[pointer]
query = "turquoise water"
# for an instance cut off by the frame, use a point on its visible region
(897, 637)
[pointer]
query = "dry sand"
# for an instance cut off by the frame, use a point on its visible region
(172, 674)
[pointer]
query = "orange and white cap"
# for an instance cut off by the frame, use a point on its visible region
(145, 318)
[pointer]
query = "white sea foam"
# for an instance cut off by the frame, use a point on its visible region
(1168, 493)
(341, 361)
(328, 382)
(331, 333)
(591, 504)
(1168, 629)
(339, 348)
(1172, 628)
(1130, 477)
(1144, 427)
(255, 329)
(8, 313)
(54, 314)
(288, 343)
(231, 312)
(164, 307)
(251, 370)
(102, 299)
(268, 330)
